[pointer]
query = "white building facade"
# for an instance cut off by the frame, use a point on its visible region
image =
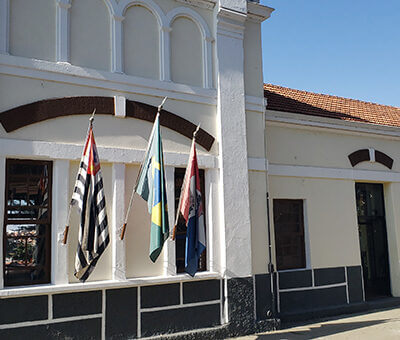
(60, 59)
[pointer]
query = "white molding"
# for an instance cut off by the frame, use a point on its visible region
(371, 155)
(4, 26)
(116, 44)
(53, 150)
(120, 106)
(60, 203)
(207, 4)
(118, 214)
(206, 37)
(312, 288)
(169, 247)
(63, 30)
(332, 173)
(256, 104)
(181, 305)
(48, 321)
(148, 4)
(165, 53)
(257, 164)
(107, 284)
(2, 204)
(80, 76)
(257, 12)
(286, 118)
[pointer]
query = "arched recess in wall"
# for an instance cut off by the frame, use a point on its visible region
(33, 29)
(36, 112)
(370, 155)
(186, 52)
(90, 37)
(141, 42)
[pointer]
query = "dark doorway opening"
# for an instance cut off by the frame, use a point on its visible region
(373, 240)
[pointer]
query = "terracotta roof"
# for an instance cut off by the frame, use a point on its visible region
(315, 104)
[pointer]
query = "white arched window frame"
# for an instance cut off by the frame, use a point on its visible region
(163, 34)
(206, 38)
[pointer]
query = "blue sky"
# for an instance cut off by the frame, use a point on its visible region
(348, 48)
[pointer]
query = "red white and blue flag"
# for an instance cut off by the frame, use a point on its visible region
(191, 208)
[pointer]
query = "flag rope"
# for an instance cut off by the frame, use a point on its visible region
(66, 230)
(123, 230)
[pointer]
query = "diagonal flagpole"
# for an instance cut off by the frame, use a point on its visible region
(180, 196)
(122, 236)
(65, 238)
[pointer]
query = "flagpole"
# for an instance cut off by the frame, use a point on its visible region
(122, 236)
(65, 238)
(180, 196)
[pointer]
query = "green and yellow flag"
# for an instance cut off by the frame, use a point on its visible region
(151, 187)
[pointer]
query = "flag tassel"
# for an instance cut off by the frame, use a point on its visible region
(123, 229)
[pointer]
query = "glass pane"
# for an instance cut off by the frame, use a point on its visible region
(15, 252)
(26, 214)
(16, 230)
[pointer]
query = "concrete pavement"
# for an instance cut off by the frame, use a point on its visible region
(383, 324)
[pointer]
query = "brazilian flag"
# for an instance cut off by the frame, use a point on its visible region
(151, 187)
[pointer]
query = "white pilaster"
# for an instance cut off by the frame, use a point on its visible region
(165, 54)
(118, 214)
(169, 247)
(60, 204)
(4, 25)
(2, 204)
(120, 106)
(211, 218)
(62, 24)
(231, 120)
(207, 63)
(116, 37)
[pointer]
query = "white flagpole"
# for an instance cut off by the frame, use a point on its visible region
(91, 119)
(140, 171)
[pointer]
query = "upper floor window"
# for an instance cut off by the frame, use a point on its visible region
(289, 234)
(180, 243)
(27, 222)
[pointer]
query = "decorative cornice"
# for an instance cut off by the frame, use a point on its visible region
(257, 12)
(208, 4)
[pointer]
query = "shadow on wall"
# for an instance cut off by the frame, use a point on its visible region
(314, 332)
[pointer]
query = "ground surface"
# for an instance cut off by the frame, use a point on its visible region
(384, 324)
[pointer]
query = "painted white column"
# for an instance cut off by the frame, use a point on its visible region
(117, 38)
(165, 53)
(211, 218)
(62, 24)
(231, 120)
(118, 215)
(4, 25)
(60, 204)
(169, 247)
(2, 204)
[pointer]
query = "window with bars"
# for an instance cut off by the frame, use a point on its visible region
(180, 242)
(289, 234)
(27, 222)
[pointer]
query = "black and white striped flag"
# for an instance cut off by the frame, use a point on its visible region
(93, 234)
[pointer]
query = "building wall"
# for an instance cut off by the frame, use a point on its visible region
(312, 164)
(141, 51)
